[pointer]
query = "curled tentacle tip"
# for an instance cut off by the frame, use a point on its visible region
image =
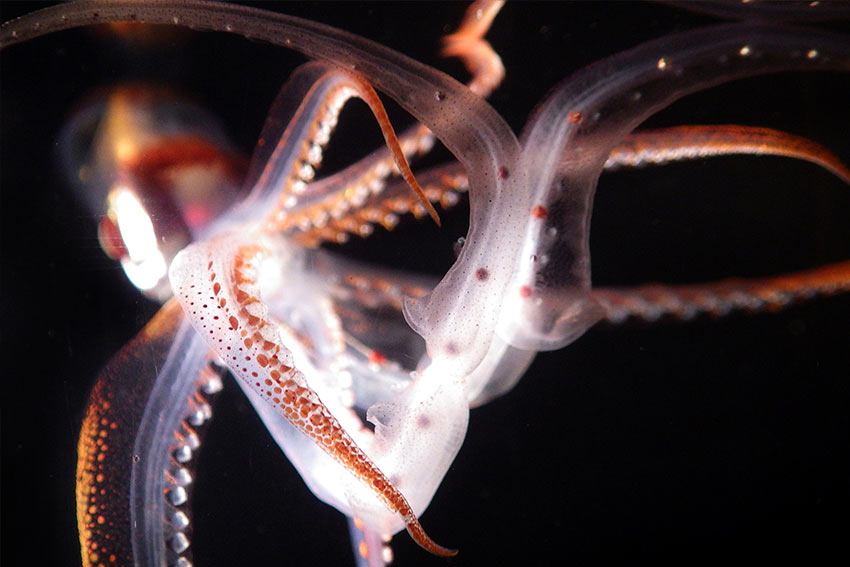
(414, 528)
(370, 97)
(433, 212)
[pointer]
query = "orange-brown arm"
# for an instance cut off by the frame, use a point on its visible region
(681, 143)
(105, 451)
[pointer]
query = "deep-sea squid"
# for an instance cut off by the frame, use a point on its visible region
(548, 440)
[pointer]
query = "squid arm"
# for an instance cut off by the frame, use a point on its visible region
(142, 428)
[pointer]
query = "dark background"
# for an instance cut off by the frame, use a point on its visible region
(717, 439)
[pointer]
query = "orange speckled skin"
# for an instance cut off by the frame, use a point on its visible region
(105, 452)
(220, 295)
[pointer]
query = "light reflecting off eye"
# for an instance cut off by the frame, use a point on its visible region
(134, 223)
(144, 263)
(147, 273)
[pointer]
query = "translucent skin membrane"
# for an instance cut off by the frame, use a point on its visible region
(590, 113)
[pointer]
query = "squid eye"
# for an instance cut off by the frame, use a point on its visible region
(156, 169)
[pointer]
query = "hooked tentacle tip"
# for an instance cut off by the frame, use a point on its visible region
(417, 532)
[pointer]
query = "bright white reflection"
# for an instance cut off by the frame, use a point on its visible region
(144, 264)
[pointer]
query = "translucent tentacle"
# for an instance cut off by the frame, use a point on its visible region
(446, 183)
(321, 92)
(358, 209)
(477, 54)
(651, 302)
(218, 284)
(467, 125)
(105, 452)
(658, 147)
(587, 116)
(348, 202)
(162, 372)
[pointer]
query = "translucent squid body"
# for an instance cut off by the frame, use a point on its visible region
(328, 350)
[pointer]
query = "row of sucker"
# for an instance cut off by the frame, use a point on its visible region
(654, 301)
(382, 206)
(374, 291)
(364, 201)
(336, 210)
(359, 205)
(295, 211)
(177, 528)
(310, 150)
